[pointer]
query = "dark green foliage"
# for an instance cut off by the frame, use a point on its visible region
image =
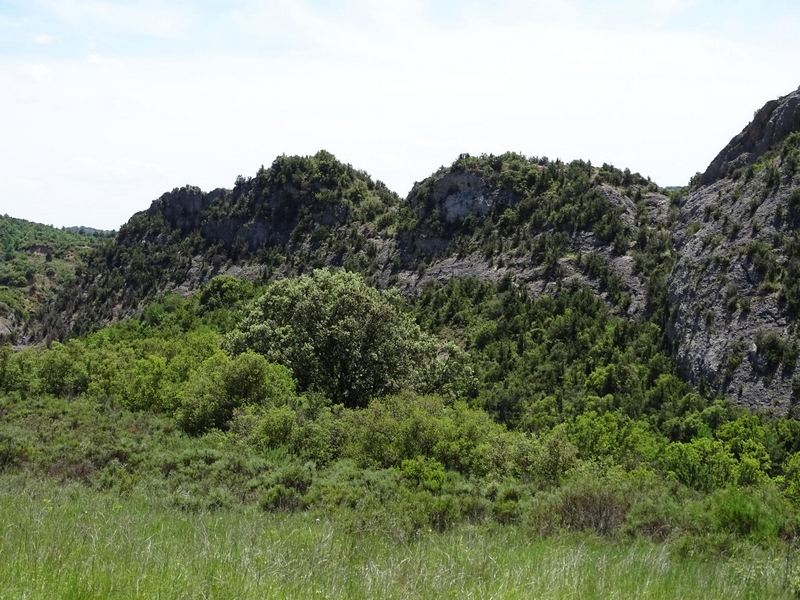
(540, 361)
(305, 213)
(540, 202)
(554, 413)
(36, 261)
(776, 350)
(301, 212)
(338, 335)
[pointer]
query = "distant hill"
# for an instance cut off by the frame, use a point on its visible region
(36, 262)
(90, 230)
(536, 221)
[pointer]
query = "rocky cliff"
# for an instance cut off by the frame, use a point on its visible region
(541, 223)
(733, 291)
(717, 264)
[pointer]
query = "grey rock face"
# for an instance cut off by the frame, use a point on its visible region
(725, 289)
(777, 119)
(261, 221)
(183, 207)
(461, 195)
(7, 326)
(458, 195)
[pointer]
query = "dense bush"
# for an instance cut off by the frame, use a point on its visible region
(554, 413)
(221, 384)
(338, 336)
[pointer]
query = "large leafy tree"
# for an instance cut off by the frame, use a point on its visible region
(338, 335)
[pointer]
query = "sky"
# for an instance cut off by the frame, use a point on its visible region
(105, 105)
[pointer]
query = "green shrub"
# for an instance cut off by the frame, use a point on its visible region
(264, 428)
(775, 349)
(590, 501)
(221, 384)
(760, 514)
(791, 469)
(702, 464)
(427, 473)
(61, 370)
(13, 451)
(338, 335)
(279, 497)
(147, 385)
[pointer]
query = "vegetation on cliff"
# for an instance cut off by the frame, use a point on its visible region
(554, 413)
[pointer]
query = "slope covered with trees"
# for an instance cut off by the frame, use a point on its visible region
(553, 412)
(36, 262)
(538, 220)
(521, 344)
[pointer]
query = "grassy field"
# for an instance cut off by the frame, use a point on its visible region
(74, 543)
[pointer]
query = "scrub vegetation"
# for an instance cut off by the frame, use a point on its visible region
(317, 436)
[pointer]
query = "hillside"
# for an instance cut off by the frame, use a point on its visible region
(735, 290)
(37, 262)
(714, 264)
(520, 349)
(543, 223)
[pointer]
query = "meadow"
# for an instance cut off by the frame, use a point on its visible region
(70, 542)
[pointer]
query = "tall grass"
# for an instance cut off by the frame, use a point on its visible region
(74, 543)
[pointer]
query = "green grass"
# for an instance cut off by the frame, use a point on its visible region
(74, 543)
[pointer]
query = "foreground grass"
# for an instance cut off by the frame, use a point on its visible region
(73, 543)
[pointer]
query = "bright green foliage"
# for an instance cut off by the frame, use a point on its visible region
(617, 438)
(425, 472)
(759, 514)
(69, 542)
(338, 336)
(702, 464)
(222, 384)
(555, 413)
(792, 470)
(147, 386)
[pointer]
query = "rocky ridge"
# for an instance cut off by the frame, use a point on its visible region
(717, 264)
(540, 223)
(732, 291)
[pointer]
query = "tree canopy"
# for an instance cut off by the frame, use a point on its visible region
(339, 336)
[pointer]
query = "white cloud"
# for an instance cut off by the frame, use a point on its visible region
(138, 17)
(96, 59)
(397, 94)
(43, 39)
(37, 72)
(121, 168)
(670, 7)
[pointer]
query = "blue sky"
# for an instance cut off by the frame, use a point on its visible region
(105, 105)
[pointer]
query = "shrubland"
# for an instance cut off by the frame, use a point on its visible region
(480, 406)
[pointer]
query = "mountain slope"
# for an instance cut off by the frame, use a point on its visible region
(543, 223)
(36, 262)
(717, 265)
(735, 288)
